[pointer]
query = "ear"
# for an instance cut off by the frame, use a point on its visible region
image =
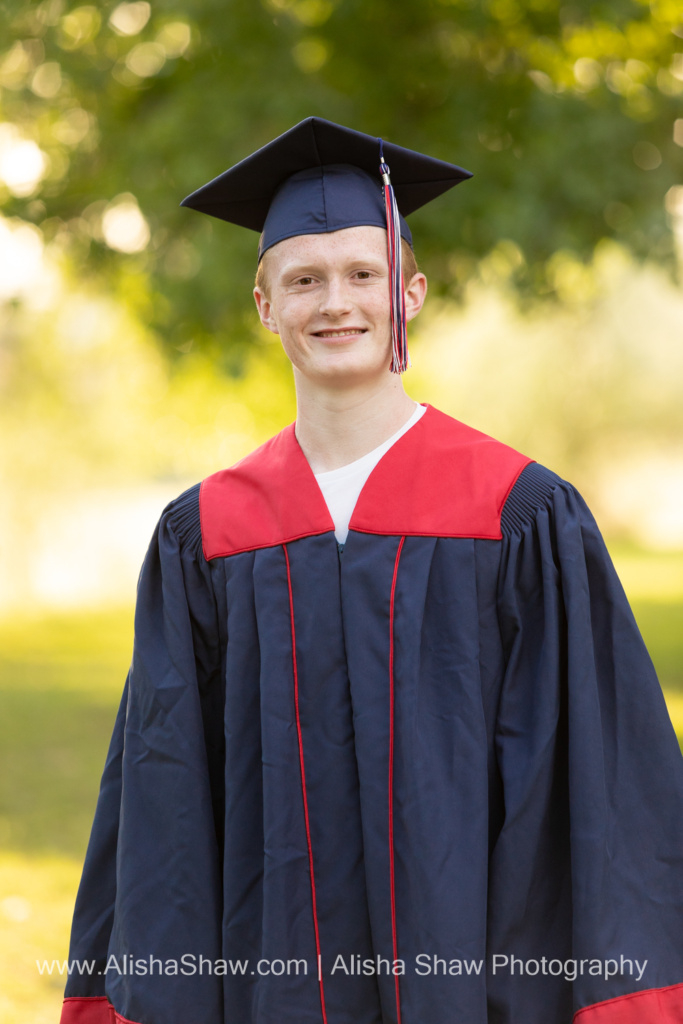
(265, 310)
(415, 294)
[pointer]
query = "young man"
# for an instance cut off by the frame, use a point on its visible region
(391, 748)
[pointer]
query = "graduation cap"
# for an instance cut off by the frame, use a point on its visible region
(320, 177)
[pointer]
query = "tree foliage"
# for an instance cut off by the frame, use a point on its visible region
(569, 115)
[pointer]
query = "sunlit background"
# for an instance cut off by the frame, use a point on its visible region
(131, 363)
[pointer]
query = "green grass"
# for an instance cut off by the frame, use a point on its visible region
(661, 624)
(61, 678)
(653, 581)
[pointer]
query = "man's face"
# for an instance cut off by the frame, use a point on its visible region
(328, 299)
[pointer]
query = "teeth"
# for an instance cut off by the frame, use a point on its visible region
(336, 334)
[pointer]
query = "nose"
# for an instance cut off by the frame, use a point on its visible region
(335, 299)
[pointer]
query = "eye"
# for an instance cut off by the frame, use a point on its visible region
(304, 280)
(364, 275)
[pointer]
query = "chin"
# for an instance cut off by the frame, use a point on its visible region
(350, 370)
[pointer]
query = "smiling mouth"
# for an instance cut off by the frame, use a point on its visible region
(347, 332)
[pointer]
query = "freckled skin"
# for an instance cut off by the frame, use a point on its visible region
(334, 282)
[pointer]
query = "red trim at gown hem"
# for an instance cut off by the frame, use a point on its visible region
(651, 1006)
(88, 1010)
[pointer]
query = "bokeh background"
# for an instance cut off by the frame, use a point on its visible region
(131, 362)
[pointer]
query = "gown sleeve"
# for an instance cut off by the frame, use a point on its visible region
(154, 851)
(586, 871)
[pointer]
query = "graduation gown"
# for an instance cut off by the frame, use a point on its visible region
(424, 778)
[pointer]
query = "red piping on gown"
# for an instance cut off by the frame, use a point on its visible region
(303, 789)
(391, 778)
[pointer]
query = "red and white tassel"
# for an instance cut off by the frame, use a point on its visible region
(399, 336)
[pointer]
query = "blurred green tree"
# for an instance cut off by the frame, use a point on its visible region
(569, 114)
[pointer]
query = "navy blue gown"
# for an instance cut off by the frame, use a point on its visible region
(426, 777)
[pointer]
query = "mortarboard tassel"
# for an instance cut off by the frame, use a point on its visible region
(399, 338)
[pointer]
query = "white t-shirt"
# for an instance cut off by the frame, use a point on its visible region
(341, 487)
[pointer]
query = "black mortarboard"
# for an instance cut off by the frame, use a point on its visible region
(320, 177)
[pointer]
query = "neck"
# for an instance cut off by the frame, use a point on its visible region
(335, 428)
